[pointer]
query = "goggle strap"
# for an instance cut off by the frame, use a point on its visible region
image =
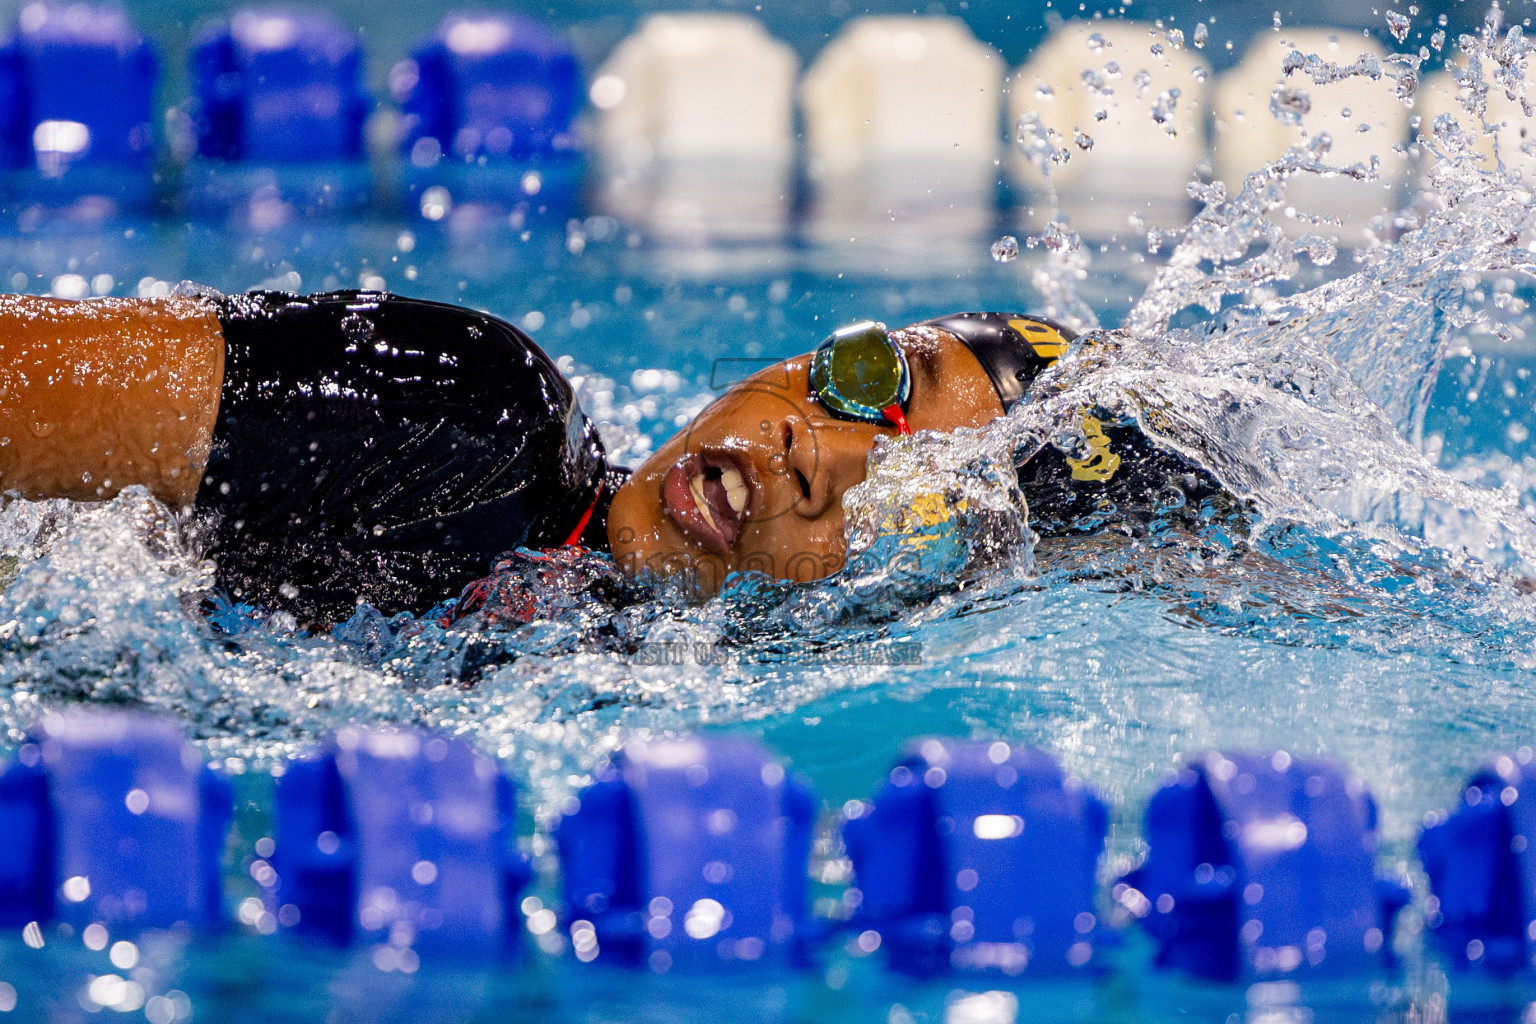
(897, 418)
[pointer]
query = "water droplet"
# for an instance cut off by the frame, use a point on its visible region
(1058, 238)
(1202, 33)
(42, 428)
(1044, 92)
(1212, 194)
(1035, 141)
(1288, 105)
(1005, 249)
(1097, 42)
(1163, 109)
(1323, 251)
(1398, 24)
(1084, 142)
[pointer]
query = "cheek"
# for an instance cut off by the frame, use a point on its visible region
(788, 547)
(634, 522)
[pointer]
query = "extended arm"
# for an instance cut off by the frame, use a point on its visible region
(96, 396)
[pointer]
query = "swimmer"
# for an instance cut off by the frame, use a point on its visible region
(756, 480)
(337, 448)
(359, 446)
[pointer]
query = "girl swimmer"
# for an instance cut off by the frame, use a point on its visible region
(359, 446)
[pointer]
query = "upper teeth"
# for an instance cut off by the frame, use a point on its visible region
(735, 489)
(696, 488)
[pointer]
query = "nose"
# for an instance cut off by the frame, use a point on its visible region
(822, 463)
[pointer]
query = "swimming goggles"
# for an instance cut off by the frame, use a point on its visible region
(859, 373)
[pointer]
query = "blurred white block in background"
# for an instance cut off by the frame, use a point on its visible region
(902, 87)
(902, 128)
(1110, 116)
(695, 127)
(1260, 112)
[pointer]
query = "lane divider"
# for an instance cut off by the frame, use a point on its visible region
(694, 855)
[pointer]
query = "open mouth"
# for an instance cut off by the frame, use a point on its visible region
(708, 497)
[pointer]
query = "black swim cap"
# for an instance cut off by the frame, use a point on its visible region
(1012, 347)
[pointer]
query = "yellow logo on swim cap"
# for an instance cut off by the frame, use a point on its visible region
(1101, 463)
(1043, 338)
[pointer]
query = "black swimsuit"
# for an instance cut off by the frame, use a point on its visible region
(371, 447)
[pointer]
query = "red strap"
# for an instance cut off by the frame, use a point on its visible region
(574, 540)
(896, 416)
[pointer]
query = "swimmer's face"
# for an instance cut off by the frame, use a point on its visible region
(756, 481)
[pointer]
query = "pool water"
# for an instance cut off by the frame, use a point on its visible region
(1370, 607)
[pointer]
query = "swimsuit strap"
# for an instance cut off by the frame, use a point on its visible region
(586, 517)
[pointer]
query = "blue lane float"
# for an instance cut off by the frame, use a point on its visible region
(689, 854)
(77, 86)
(1262, 866)
(398, 839)
(1482, 869)
(693, 854)
(111, 818)
(488, 109)
(279, 116)
(978, 856)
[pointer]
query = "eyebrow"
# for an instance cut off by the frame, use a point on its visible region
(923, 362)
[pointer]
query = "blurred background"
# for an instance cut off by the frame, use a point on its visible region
(647, 187)
(1013, 27)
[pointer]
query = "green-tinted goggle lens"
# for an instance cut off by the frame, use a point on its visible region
(858, 372)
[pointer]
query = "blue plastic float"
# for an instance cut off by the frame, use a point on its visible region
(279, 116)
(77, 85)
(489, 104)
(1479, 860)
(111, 818)
(693, 854)
(978, 856)
(401, 838)
(689, 853)
(1262, 866)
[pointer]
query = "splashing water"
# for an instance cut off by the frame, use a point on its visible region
(1306, 404)
(1036, 141)
(1057, 279)
(1288, 105)
(1163, 109)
